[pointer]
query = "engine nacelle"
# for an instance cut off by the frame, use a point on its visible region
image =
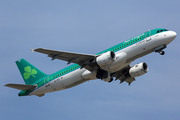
(138, 70)
(106, 58)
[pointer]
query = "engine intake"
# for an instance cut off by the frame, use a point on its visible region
(106, 58)
(138, 70)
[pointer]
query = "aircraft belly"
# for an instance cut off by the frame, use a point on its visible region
(40, 90)
(118, 67)
(70, 79)
(61, 83)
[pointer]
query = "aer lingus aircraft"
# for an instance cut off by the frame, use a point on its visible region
(106, 65)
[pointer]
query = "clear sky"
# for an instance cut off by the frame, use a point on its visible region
(88, 27)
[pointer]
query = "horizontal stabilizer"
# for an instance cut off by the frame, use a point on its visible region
(21, 86)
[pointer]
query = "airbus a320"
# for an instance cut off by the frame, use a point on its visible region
(108, 65)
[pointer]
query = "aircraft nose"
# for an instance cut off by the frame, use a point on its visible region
(173, 35)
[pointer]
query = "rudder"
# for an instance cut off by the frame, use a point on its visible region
(29, 72)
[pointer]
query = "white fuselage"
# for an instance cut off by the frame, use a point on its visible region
(124, 58)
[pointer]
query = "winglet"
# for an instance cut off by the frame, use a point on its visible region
(32, 50)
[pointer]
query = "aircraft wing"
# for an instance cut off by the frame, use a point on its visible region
(121, 75)
(81, 59)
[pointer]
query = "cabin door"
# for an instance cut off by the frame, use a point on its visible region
(148, 36)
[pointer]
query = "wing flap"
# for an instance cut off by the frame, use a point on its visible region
(122, 75)
(130, 80)
(21, 86)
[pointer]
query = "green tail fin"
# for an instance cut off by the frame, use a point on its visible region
(29, 73)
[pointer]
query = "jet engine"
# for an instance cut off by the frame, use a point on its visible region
(106, 58)
(138, 70)
(101, 60)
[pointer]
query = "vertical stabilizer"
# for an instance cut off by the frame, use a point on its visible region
(29, 72)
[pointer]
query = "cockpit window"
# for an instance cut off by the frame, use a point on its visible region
(161, 30)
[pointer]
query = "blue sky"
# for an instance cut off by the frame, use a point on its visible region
(88, 27)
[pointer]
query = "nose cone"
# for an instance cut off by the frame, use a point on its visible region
(172, 35)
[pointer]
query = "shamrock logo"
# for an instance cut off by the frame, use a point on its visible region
(29, 72)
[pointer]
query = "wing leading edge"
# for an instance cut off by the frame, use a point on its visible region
(70, 57)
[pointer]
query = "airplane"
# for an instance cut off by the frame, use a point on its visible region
(106, 65)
